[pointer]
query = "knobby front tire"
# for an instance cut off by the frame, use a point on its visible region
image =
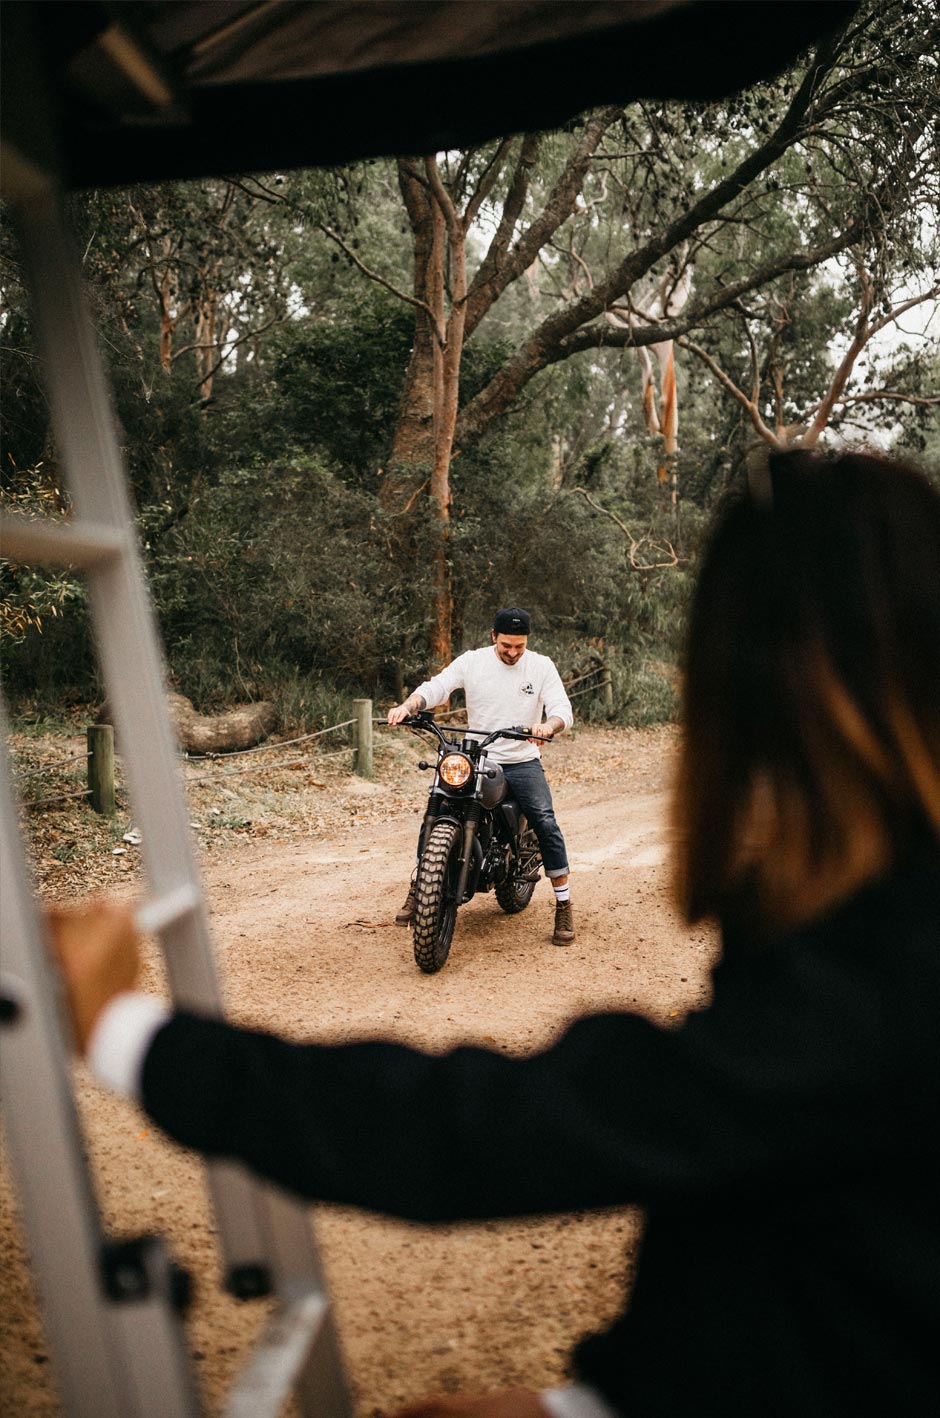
(436, 897)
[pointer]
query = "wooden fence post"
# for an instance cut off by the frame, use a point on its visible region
(100, 738)
(362, 708)
(607, 690)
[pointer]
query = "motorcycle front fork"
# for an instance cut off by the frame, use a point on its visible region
(469, 832)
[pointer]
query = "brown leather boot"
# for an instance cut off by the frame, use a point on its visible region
(564, 924)
(406, 914)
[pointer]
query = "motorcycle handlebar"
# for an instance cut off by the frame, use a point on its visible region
(521, 731)
(425, 720)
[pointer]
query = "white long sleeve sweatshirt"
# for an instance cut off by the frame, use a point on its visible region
(500, 696)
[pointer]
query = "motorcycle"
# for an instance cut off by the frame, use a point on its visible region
(475, 837)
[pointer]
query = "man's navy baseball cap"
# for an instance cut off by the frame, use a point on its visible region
(512, 621)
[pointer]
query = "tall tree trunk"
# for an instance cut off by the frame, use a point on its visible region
(439, 488)
(412, 452)
(166, 289)
(449, 237)
(668, 409)
(167, 325)
(424, 435)
(207, 351)
(448, 309)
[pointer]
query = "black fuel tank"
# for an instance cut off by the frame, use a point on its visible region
(495, 788)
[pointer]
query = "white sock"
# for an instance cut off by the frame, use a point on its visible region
(562, 893)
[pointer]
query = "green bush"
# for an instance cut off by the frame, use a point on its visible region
(278, 572)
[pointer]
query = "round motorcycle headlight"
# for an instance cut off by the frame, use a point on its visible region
(455, 769)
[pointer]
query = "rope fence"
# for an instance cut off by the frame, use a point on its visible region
(101, 762)
(265, 747)
(269, 747)
(62, 798)
(50, 767)
(265, 767)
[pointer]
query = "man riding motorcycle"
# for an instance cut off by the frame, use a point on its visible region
(507, 683)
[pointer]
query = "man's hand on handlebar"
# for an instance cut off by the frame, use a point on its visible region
(544, 733)
(412, 705)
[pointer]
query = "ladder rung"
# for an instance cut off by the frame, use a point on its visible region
(161, 911)
(265, 1383)
(35, 541)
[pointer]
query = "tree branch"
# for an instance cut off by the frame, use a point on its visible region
(728, 384)
(486, 183)
(380, 280)
(635, 542)
(874, 394)
(864, 331)
(444, 200)
(263, 196)
(495, 274)
(411, 501)
(641, 260)
(562, 333)
(512, 210)
(248, 335)
(892, 315)
(597, 335)
(847, 363)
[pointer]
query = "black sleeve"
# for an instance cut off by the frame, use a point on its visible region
(800, 1061)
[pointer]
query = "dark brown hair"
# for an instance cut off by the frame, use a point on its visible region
(811, 751)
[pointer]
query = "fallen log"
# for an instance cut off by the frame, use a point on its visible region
(241, 727)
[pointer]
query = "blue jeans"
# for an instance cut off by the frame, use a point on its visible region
(529, 786)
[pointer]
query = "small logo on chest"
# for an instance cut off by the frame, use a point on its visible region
(527, 688)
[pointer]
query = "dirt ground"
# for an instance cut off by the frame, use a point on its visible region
(303, 910)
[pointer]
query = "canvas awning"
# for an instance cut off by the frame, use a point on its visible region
(154, 89)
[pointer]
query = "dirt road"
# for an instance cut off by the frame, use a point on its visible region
(307, 947)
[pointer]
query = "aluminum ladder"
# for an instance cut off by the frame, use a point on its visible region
(111, 1311)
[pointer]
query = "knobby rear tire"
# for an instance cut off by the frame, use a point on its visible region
(435, 897)
(512, 894)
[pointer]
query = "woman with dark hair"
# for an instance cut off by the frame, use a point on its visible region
(785, 1139)
(811, 745)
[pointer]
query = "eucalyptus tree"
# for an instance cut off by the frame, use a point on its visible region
(194, 272)
(636, 228)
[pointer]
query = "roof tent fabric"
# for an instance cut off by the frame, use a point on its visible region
(154, 89)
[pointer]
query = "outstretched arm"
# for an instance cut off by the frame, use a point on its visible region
(618, 1110)
(432, 692)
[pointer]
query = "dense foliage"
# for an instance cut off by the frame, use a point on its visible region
(263, 350)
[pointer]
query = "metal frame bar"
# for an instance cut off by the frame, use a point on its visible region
(94, 1341)
(123, 1358)
(58, 544)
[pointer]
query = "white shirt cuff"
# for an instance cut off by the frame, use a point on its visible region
(576, 1401)
(121, 1038)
